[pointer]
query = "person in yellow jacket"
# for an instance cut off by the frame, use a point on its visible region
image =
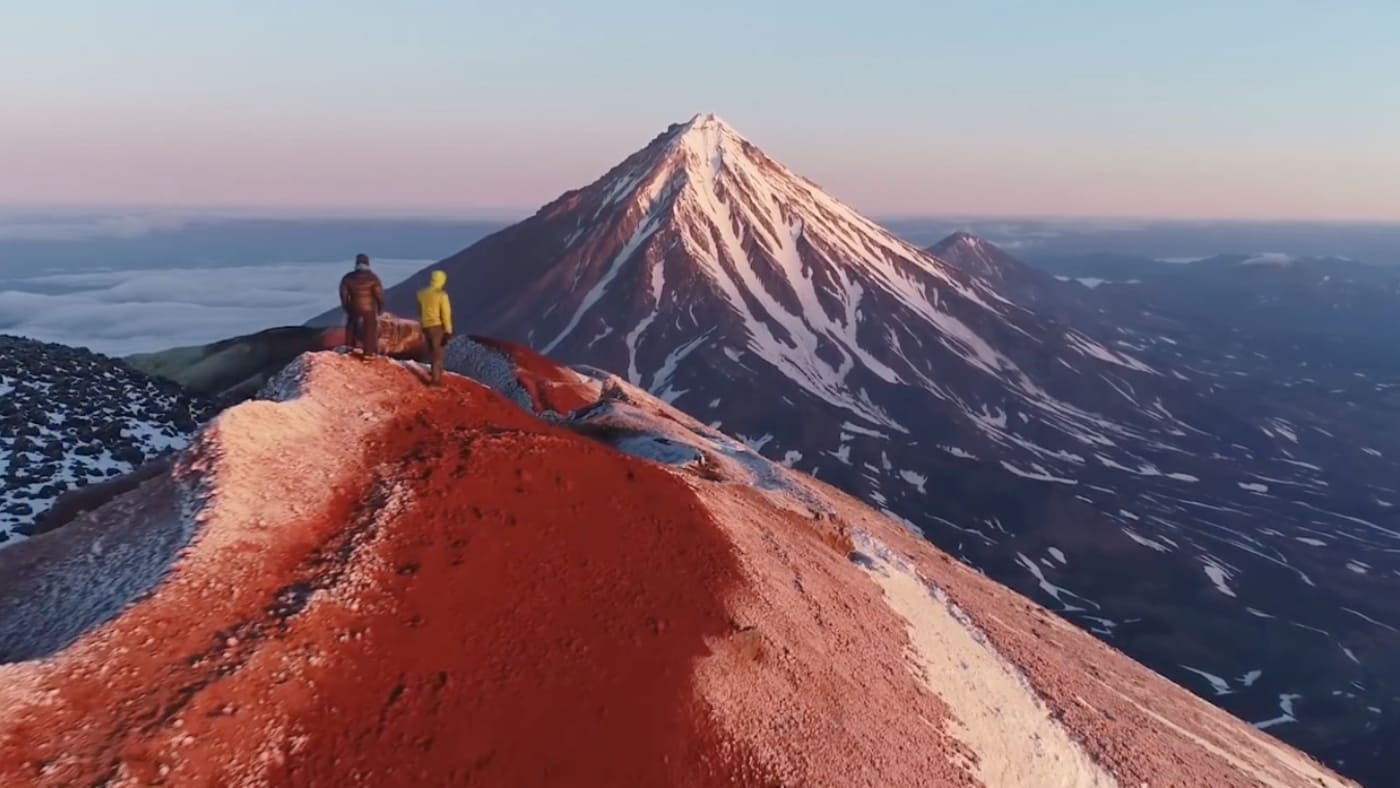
(435, 315)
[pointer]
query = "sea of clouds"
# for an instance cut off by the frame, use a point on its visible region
(140, 310)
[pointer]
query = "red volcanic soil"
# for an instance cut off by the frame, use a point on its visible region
(492, 602)
(549, 385)
(545, 599)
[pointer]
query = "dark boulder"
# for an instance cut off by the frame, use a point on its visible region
(129, 454)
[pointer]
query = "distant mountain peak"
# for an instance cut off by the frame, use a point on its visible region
(961, 238)
(975, 255)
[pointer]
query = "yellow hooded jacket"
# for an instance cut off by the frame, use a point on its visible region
(434, 308)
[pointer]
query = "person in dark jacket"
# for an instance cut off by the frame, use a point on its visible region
(362, 298)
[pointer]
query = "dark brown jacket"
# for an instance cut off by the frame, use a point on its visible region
(361, 293)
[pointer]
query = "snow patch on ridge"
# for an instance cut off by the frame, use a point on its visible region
(999, 716)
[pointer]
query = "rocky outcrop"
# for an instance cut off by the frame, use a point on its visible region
(71, 419)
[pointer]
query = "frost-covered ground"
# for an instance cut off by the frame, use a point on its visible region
(70, 418)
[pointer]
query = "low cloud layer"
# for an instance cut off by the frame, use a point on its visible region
(134, 311)
(84, 227)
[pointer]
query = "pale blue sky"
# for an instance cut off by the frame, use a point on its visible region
(1239, 108)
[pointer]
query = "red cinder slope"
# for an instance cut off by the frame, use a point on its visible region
(477, 598)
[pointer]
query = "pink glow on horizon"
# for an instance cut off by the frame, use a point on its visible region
(187, 162)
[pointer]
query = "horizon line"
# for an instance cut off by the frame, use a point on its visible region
(515, 214)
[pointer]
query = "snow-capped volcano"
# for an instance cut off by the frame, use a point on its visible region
(699, 261)
(700, 247)
(1077, 459)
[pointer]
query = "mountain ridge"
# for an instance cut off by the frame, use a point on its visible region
(357, 582)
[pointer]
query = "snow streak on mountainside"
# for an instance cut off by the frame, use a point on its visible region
(983, 403)
(379, 582)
